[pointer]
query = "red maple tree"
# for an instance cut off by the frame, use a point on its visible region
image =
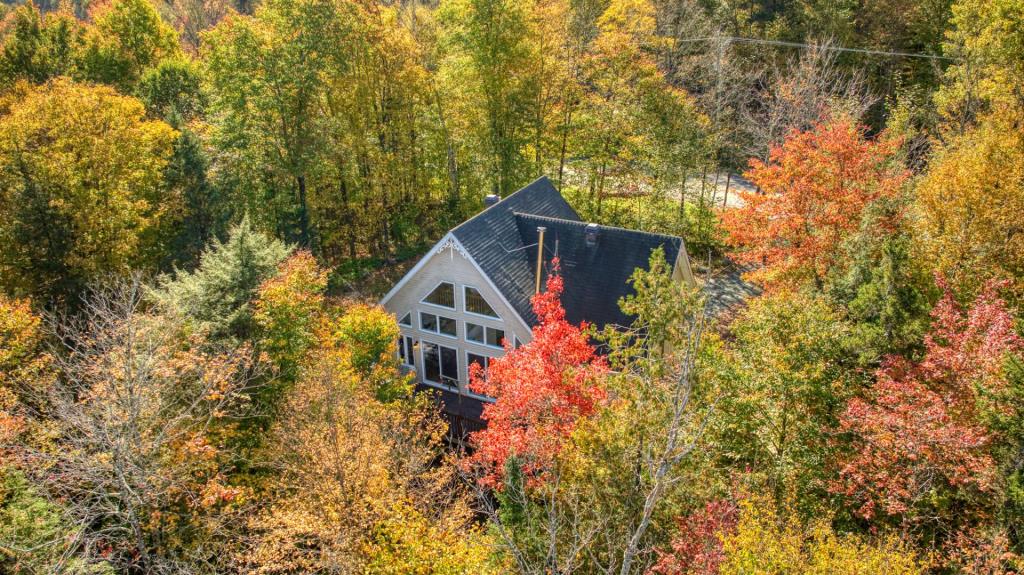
(813, 190)
(697, 549)
(918, 429)
(541, 390)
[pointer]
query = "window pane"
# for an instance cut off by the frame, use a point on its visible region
(406, 320)
(428, 322)
(431, 363)
(448, 326)
(449, 365)
(476, 303)
(494, 336)
(472, 358)
(474, 332)
(407, 359)
(443, 295)
(401, 350)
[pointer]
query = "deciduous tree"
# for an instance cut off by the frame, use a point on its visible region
(541, 390)
(81, 189)
(969, 206)
(813, 191)
(917, 433)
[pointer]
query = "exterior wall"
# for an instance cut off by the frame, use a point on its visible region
(447, 263)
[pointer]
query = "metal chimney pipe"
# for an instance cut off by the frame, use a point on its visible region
(540, 255)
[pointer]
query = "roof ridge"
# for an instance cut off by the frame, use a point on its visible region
(584, 224)
(500, 201)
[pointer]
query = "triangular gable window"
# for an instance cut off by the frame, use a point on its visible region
(475, 303)
(443, 295)
(406, 320)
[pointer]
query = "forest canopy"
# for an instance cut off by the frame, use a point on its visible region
(202, 201)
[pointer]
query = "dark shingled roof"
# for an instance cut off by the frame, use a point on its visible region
(503, 238)
(597, 276)
(492, 238)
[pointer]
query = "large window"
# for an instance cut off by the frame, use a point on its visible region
(439, 324)
(443, 295)
(485, 335)
(475, 303)
(440, 364)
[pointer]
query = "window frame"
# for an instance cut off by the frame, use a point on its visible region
(409, 360)
(483, 342)
(487, 362)
(456, 386)
(437, 323)
(465, 308)
(455, 300)
(407, 314)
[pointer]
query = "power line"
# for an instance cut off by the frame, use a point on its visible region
(817, 46)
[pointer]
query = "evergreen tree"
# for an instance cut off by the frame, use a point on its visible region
(217, 295)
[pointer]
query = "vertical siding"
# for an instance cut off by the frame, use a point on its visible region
(451, 266)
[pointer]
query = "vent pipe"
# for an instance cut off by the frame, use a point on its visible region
(591, 235)
(490, 200)
(540, 255)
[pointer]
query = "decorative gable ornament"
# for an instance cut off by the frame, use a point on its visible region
(450, 243)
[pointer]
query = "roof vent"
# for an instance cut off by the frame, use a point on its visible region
(490, 200)
(591, 235)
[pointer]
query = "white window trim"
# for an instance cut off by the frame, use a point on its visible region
(424, 301)
(408, 313)
(465, 308)
(423, 362)
(458, 390)
(438, 332)
(410, 352)
(484, 342)
(446, 243)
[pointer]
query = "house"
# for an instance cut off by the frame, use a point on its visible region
(472, 290)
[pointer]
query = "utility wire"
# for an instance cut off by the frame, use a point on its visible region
(817, 46)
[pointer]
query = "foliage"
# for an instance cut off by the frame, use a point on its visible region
(969, 204)
(813, 191)
(81, 193)
(139, 412)
(489, 42)
(409, 545)
(361, 486)
(127, 37)
(921, 454)
(217, 295)
(37, 47)
(172, 90)
(987, 38)
(772, 540)
(882, 288)
(610, 488)
(286, 310)
(542, 389)
(34, 538)
(783, 383)
(760, 536)
(24, 371)
(697, 548)
(367, 335)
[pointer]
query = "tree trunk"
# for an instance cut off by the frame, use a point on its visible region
(303, 212)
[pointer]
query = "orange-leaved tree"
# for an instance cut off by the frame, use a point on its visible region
(813, 190)
(541, 389)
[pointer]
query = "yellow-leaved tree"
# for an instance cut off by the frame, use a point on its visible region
(81, 188)
(770, 540)
(362, 486)
(970, 205)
